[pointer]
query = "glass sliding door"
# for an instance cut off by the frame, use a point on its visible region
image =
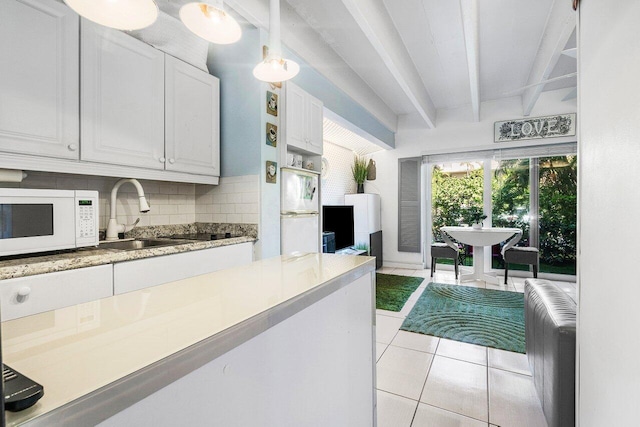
(510, 200)
(558, 213)
(532, 188)
(455, 187)
(539, 196)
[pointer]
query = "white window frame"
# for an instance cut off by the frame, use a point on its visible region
(486, 156)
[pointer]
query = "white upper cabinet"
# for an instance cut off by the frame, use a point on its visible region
(39, 78)
(122, 99)
(303, 120)
(314, 124)
(294, 121)
(192, 119)
(74, 90)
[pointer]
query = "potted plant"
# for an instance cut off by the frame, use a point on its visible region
(359, 170)
(475, 216)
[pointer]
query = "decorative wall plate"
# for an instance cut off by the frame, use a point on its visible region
(325, 168)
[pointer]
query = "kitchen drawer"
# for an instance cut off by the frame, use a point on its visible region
(139, 274)
(50, 291)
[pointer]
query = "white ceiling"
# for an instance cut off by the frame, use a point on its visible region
(432, 33)
(397, 57)
(509, 44)
(339, 30)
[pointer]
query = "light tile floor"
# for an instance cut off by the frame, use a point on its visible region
(428, 381)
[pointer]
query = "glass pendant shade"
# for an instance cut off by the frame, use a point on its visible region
(210, 23)
(275, 69)
(118, 14)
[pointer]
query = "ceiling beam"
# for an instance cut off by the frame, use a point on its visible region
(297, 35)
(560, 25)
(376, 24)
(469, 9)
(572, 94)
(543, 82)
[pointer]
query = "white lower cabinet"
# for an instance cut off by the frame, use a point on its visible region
(139, 274)
(25, 296)
(29, 295)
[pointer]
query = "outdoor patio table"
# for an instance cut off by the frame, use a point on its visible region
(479, 238)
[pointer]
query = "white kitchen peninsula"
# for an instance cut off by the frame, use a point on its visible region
(282, 341)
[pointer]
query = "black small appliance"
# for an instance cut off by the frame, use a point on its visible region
(20, 392)
(339, 219)
(328, 242)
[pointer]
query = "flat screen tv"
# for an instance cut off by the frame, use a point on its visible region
(339, 219)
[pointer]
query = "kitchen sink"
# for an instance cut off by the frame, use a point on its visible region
(129, 245)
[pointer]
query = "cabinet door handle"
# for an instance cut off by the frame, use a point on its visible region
(162, 159)
(72, 147)
(23, 293)
(172, 161)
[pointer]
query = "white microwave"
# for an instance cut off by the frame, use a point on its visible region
(47, 220)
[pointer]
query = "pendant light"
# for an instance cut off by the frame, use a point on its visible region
(210, 22)
(118, 14)
(274, 68)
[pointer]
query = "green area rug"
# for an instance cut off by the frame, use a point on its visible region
(393, 291)
(472, 315)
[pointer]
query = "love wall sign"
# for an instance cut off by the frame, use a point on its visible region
(535, 128)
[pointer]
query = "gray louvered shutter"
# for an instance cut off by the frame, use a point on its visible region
(409, 204)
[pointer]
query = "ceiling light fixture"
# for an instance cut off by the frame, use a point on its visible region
(118, 14)
(211, 23)
(274, 68)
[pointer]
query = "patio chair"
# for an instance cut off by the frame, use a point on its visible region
(442, 250)
(521, 255)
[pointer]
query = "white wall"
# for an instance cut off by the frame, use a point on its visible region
(339, 180)
(455, 131)
(609, 184)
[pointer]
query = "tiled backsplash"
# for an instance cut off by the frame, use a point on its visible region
(235, 200)
(171, 203)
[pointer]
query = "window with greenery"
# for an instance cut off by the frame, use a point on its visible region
(535, 194)
(454, 190)
(558, 202)
(510, 199)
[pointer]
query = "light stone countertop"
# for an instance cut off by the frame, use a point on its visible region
(96, 359)
(81, 258)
